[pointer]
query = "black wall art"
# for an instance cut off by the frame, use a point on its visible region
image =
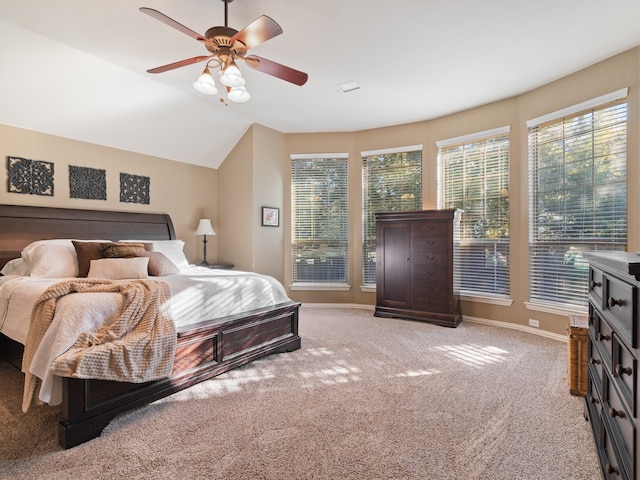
(34, 177)
(134, 188)
(89, 183)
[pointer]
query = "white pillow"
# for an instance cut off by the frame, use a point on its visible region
(172, 249)
(51, 258)
(17, 266)
(119, 268)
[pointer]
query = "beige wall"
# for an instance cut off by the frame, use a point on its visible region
(185, 192)
(235, 205)
(268, 181)
(253, 176)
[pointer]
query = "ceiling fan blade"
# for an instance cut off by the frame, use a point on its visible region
(172, 23)
(272, 68)
(259, 31)
(181, 63)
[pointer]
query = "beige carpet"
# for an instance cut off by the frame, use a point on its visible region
(365, 398)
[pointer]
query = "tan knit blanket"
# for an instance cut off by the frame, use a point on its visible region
(138, 346)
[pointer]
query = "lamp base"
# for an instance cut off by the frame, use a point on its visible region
(205, 264)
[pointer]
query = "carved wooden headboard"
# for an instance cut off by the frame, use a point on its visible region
(21, 225)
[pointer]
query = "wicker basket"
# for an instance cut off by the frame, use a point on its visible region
(578, 347)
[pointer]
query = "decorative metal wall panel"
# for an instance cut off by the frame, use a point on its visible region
(34, 177)
(89, 183)
(134, 188)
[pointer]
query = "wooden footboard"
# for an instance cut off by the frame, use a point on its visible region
(203, 351)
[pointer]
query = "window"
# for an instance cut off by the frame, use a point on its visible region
(577, 195)
(391, 182)
(320, 230)
(474, 177)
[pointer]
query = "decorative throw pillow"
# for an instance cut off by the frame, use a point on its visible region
(160, 265)
(123, 250)
(87, 251)
(119, 268)
(172, 249)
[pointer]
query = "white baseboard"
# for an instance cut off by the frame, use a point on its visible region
(466, 318)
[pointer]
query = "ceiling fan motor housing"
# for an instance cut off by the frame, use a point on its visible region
(221, 39)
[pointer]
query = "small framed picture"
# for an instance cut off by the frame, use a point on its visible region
(270, 217)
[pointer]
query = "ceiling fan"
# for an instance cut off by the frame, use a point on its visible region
(225, 46)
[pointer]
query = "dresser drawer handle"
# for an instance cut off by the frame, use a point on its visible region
(430, 242)
(595, 284)
(616, 413)
(595, 361)
(431, 257)
(620, 370)
(604, 338)
(593, 399)
(611, 469)
(613, 302)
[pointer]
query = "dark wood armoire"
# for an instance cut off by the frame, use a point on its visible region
(416, 266)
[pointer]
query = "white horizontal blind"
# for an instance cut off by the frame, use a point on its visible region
(320, 230)
(391, 182)
(577, 198)
(474, 177)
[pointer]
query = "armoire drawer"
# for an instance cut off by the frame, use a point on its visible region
(432, 303)
(432, 229)
(429, 259)
(425, 246)
(430, 277)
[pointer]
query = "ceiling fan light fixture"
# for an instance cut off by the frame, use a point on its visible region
(205, 83)
(231, 76)
(238, 94)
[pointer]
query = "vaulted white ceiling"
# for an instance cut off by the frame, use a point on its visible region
(77, 68)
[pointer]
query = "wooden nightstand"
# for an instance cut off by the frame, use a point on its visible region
(219, 266)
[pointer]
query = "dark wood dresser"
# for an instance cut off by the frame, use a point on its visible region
(612, 403)
(415, 266)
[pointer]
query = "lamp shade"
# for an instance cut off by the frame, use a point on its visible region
(204, 227)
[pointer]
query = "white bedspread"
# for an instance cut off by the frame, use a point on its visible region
(197, 294)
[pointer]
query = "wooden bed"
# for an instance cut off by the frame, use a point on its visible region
(204, 350)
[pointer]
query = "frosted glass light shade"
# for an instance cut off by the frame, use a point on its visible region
(238, 94)
(204, 227)
(231, 76)
(205, 84)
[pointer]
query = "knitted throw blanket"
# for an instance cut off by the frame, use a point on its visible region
(139, 346)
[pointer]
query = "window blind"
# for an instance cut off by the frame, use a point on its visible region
(577, 198)
(391, 182)
(320, 219)
(473, 175)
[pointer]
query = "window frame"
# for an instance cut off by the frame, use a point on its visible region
(577, 281)
(312, 283)
(367, 246)
(501, 246)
